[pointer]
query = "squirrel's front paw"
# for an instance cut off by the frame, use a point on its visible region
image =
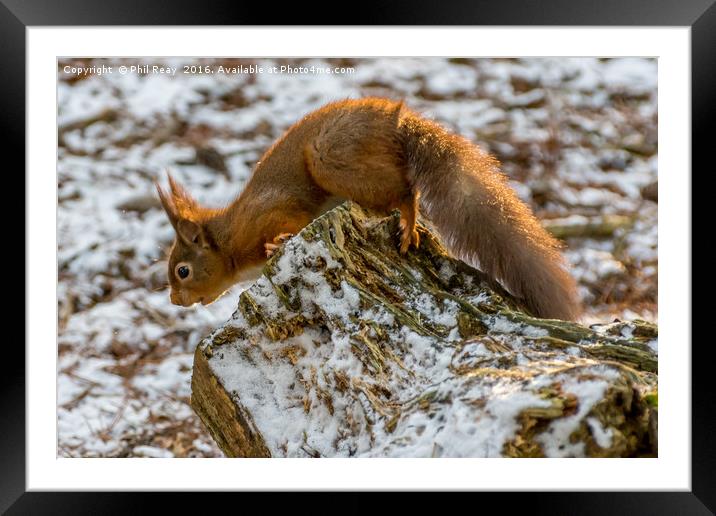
(271, 247)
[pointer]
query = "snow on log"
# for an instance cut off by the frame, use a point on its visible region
(344, 348)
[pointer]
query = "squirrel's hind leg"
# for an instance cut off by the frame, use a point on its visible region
(408, 216)
(374, 178)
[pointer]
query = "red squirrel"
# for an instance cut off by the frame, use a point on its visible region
(382, 155)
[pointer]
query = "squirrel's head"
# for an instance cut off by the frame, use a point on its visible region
(198, 273)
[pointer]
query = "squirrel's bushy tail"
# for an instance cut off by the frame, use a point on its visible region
(483, 221)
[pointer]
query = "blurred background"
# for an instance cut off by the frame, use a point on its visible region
(577, 137)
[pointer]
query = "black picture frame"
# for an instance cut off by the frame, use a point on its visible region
(700, 15)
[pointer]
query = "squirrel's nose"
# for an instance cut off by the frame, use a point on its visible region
(175, 298)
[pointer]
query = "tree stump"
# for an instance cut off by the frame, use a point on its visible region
(345, 348)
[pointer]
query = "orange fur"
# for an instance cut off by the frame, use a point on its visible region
(381, 155)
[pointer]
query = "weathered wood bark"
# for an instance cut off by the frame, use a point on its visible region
(345, 348)
(588, 227)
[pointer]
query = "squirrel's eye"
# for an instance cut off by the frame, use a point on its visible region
(183, 271)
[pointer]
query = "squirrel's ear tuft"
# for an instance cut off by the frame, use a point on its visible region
(168, 206)
(182, 209)
(184, 203)
(191, 233)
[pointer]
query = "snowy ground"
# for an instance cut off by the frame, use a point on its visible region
(577, 136)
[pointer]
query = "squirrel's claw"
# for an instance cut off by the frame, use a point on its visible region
(407, 236)
(271, 247)
(281, 238)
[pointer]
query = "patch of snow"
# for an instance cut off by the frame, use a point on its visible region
(151, 451)
(556, 440)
